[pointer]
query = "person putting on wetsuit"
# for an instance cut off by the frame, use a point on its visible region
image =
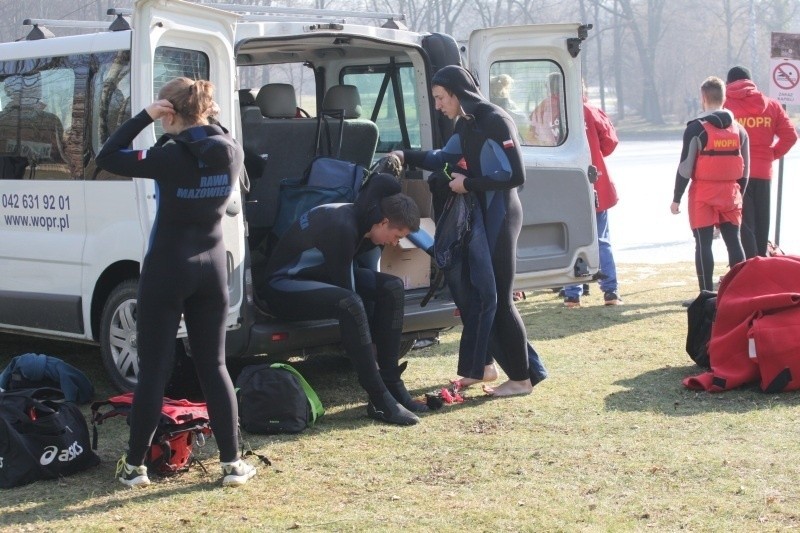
(486, 145)
(311, 275)
(195, 166)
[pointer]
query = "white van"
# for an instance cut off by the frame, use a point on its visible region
(72, 236)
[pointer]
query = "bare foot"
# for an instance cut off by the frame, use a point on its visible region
(510, 388)
(489, 375)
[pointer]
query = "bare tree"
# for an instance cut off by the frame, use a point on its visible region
(647, 29)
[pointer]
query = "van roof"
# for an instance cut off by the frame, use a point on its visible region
(72, 44)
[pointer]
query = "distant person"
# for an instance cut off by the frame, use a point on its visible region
(195, 165)
(771, 134)
(715, 157)
(500, 87)
(602, 141)
(546, 127)
(34, 136)
(311, 275)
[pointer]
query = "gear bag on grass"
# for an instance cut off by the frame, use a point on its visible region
(42, 436)
(276, 399)
(700, 315)
(182, 425)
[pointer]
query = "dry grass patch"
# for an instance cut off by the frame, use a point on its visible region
(610, 442)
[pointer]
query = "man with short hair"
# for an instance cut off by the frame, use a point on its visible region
(771, 135)
(311, 275)
(715, 156)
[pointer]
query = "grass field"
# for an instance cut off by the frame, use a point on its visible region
(610, 442)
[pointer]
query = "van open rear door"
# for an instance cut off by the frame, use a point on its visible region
(534, 73)
(179, 38)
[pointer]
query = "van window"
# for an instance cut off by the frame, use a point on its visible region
(370, 80)
(169, 63)
(37, 99)
(532, 91)
(111, 104)
(53, 108)
(298, 75)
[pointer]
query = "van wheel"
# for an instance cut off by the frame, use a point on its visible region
(118, 336)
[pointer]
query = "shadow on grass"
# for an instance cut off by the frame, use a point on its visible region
(551, 320)
(334, 380)
(661, 391)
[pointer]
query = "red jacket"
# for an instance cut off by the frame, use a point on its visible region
(754, 335)
(764, 119)
(602, 142)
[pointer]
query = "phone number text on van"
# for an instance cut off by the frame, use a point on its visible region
(35, 201)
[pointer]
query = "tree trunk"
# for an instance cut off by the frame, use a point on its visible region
(646, 50)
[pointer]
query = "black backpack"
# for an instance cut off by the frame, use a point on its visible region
(701, 313)
(276, 399)
(42, 436)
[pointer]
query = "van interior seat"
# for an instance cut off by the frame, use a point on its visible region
(360, 136)
(282, 146)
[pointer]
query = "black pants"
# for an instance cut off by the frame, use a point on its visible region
(196, 287)
(704, 257)
(374, 313)
(756, 217)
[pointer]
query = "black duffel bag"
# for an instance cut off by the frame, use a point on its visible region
(700, 315)
(42, 436)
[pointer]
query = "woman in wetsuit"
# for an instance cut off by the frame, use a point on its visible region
(485, 143)
(195, 165)
(311, 275)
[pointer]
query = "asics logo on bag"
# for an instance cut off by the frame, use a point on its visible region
(64, 456)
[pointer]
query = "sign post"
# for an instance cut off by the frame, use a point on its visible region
(784, 86)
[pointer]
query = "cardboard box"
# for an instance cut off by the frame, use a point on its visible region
(408, 262)
(419, 192)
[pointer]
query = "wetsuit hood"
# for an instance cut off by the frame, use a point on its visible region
(211, 144)
(460, 82)
(368, 202)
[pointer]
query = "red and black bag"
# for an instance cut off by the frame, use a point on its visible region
(182, 425)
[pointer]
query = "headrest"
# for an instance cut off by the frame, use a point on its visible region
(277, 100)
(246, 97)
(343, 97)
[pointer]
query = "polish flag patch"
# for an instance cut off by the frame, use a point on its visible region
(508, 144)
(142, 155)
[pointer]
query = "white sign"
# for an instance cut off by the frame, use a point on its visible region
(785, 68)
(784, 80)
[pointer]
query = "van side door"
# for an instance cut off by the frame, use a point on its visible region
(179, 38)
(529, 71)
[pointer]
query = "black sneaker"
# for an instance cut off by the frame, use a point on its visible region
(572, 303)
(612, 298)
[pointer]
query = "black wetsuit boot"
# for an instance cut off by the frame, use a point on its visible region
(395, 385)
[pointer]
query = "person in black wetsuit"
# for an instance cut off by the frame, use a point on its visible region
(311, 275)
(486, 145)
(195, 165)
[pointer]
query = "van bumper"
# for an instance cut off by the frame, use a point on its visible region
(270, 336)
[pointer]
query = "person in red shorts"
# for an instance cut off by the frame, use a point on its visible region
(716, 158)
